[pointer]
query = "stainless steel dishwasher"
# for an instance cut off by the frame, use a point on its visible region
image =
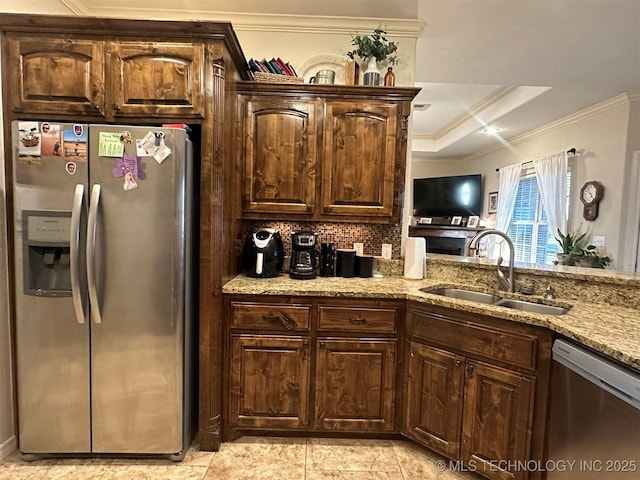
(594, 422)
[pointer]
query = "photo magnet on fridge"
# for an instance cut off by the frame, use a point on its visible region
(51, 139)
(74, 146)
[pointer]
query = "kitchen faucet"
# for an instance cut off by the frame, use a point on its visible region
(506, 283)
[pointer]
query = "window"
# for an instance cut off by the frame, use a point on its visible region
(529, 229)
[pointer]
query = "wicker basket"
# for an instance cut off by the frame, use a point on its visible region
(276, 78)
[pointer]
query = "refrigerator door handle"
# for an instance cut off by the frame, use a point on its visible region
(92, 224)
(74, 244)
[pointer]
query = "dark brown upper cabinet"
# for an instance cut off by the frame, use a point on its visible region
(95, 78)
(323, 152)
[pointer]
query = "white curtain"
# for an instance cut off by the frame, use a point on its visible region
(551, 175)
(507, 190)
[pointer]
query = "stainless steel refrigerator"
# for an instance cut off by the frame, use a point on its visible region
(103, 297)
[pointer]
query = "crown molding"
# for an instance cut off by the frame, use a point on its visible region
(409, 28)
(476, 111)
(614, 102)
(504, 100)
(77, 7)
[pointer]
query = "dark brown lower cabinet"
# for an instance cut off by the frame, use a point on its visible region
(314, 364)
(473, 388)
(355, 380)
(476, 389)
(269, 381)
(434, 398)
(497, 418)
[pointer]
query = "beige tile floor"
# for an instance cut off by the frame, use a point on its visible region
(255, 458)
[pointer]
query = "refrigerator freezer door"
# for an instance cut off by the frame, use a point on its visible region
(137, 349)
(52, 347)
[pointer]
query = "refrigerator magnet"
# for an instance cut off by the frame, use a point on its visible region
(129, 182)
(140, 150)
(70, 167)
(51, 138)
(153, 144)
(130, 168)
(110, 145)
(125, 136)
(29, 139)
(74, 146)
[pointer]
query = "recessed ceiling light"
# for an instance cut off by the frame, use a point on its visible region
(491, 130)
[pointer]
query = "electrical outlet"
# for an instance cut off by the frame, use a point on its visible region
(597, 241)
(387, 250)
(359, 248)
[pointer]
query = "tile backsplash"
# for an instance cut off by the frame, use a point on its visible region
(344, 235)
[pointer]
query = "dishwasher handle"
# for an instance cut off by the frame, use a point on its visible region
(615, 379)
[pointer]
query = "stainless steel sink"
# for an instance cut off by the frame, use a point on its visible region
(462, 294)
(531, 307)
(498, 301)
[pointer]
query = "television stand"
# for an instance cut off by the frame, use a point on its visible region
(446, 239)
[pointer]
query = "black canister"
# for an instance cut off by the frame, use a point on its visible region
(345, 263)
(327, 259)
(364, 266)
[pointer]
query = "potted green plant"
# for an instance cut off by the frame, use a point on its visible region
(589, 257)
(571, 242)
(372, 49)
(576, 252)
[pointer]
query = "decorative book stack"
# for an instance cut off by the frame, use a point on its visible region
(273, 71)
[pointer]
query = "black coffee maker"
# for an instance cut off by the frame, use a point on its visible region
(304, 258)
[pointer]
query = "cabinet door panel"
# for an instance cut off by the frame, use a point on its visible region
(359, 158)
(497, 418)
(355, 384)
(159, 79)
(61, 76)
(280, 156)
(434, 398)
(269, 382)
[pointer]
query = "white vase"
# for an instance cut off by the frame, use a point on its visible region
(371, 72)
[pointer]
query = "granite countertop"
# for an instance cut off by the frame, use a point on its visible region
(611, 330)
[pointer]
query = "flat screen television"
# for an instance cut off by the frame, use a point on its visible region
(447, 196)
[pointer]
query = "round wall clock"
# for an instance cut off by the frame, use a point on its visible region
(590, 195)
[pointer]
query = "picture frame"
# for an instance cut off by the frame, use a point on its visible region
(456, 220)
(473, 221)
(493, 202)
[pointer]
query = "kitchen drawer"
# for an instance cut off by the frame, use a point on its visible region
(361, 319)
(276, 317)
(492, 343)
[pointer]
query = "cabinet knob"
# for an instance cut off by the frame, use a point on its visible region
(115, 106)
(458, 363)
(470, 369)
(357, 320)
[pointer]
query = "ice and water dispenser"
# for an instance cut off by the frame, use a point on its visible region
(46, 262)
